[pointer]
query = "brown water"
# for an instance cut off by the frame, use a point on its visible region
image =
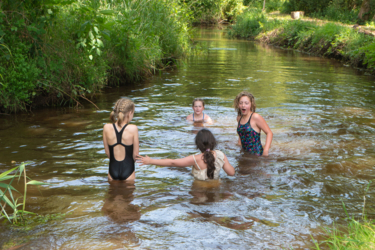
(323, 119)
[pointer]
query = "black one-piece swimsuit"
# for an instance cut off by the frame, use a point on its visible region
(121, 170)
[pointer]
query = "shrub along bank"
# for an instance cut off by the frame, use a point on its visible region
(328, 40)
(55, 52)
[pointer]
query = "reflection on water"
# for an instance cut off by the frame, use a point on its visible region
(117, 205)
(323, 153)
(207, 191)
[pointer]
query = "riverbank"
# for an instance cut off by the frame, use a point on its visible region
(59, 54)
(327, 39)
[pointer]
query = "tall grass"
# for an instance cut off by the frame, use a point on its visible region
(11, 207)
(357, 234)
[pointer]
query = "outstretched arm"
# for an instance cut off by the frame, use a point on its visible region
(183, 162)
(262, 124)
(228, 168)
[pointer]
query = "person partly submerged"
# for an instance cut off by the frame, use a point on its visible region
(250, 124)
(121, 142)
(205, 166)
(198, 114)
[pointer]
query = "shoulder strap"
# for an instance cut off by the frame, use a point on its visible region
(239, 120)
(119, 134)
(203, 116)
(196, 163)
(250, 117)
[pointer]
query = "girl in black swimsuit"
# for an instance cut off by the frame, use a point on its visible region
(121, 142)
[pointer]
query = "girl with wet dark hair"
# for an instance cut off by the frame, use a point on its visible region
(206, 165)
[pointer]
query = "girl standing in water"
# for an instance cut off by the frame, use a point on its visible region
(121, 141)
(250, 125)
(205, 166)
(198, 115)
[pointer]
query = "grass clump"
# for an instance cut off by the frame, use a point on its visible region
(11, 209)
(357, 234)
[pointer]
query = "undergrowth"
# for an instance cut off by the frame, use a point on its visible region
(329, 40)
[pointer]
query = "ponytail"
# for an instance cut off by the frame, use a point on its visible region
(209, 159)
(206, 142)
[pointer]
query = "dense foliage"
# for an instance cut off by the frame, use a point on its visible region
(57, 51)
(212, 11)
(330, 40)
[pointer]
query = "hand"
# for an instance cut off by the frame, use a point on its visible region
(265, 153)
(144, 160)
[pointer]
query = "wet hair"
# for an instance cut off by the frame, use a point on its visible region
(206, 142)
(198, 100)
(237, 101)
(121, 110)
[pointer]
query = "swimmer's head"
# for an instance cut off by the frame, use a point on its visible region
(237, 101)
(198, 106)
(198, 100)
(123, 110)
(206, 142)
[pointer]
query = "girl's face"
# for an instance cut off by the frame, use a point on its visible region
(198, 107)
(244, 105)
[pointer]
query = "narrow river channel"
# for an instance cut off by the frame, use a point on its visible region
(322, 115)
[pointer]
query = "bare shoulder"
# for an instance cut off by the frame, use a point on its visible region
(257, 116)
(132, 128)
(107, 126)
(238, 118)
(189, 117)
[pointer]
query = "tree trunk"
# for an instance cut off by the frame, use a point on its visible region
(264, 5)
(364, 12)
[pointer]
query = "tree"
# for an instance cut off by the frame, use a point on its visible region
(364, 12)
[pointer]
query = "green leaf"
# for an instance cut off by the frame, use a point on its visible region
(8, 177)
(7, 172)
(96, 30)
(106, 35)
(7, 201)
(98, 51)
(37, 183)
(6, 186)
(100, 43)
(107, 12)
(90, 56)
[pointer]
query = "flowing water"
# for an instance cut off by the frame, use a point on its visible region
(322, 115)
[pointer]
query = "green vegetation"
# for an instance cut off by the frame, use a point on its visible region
(356, 235)
(55, 52)
(212, 11)
(329, 40)
(8, 195)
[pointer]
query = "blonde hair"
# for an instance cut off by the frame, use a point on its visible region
(198, 100)
(237, 100)
(121, 110)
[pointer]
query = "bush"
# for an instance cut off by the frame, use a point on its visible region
(57, 53)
